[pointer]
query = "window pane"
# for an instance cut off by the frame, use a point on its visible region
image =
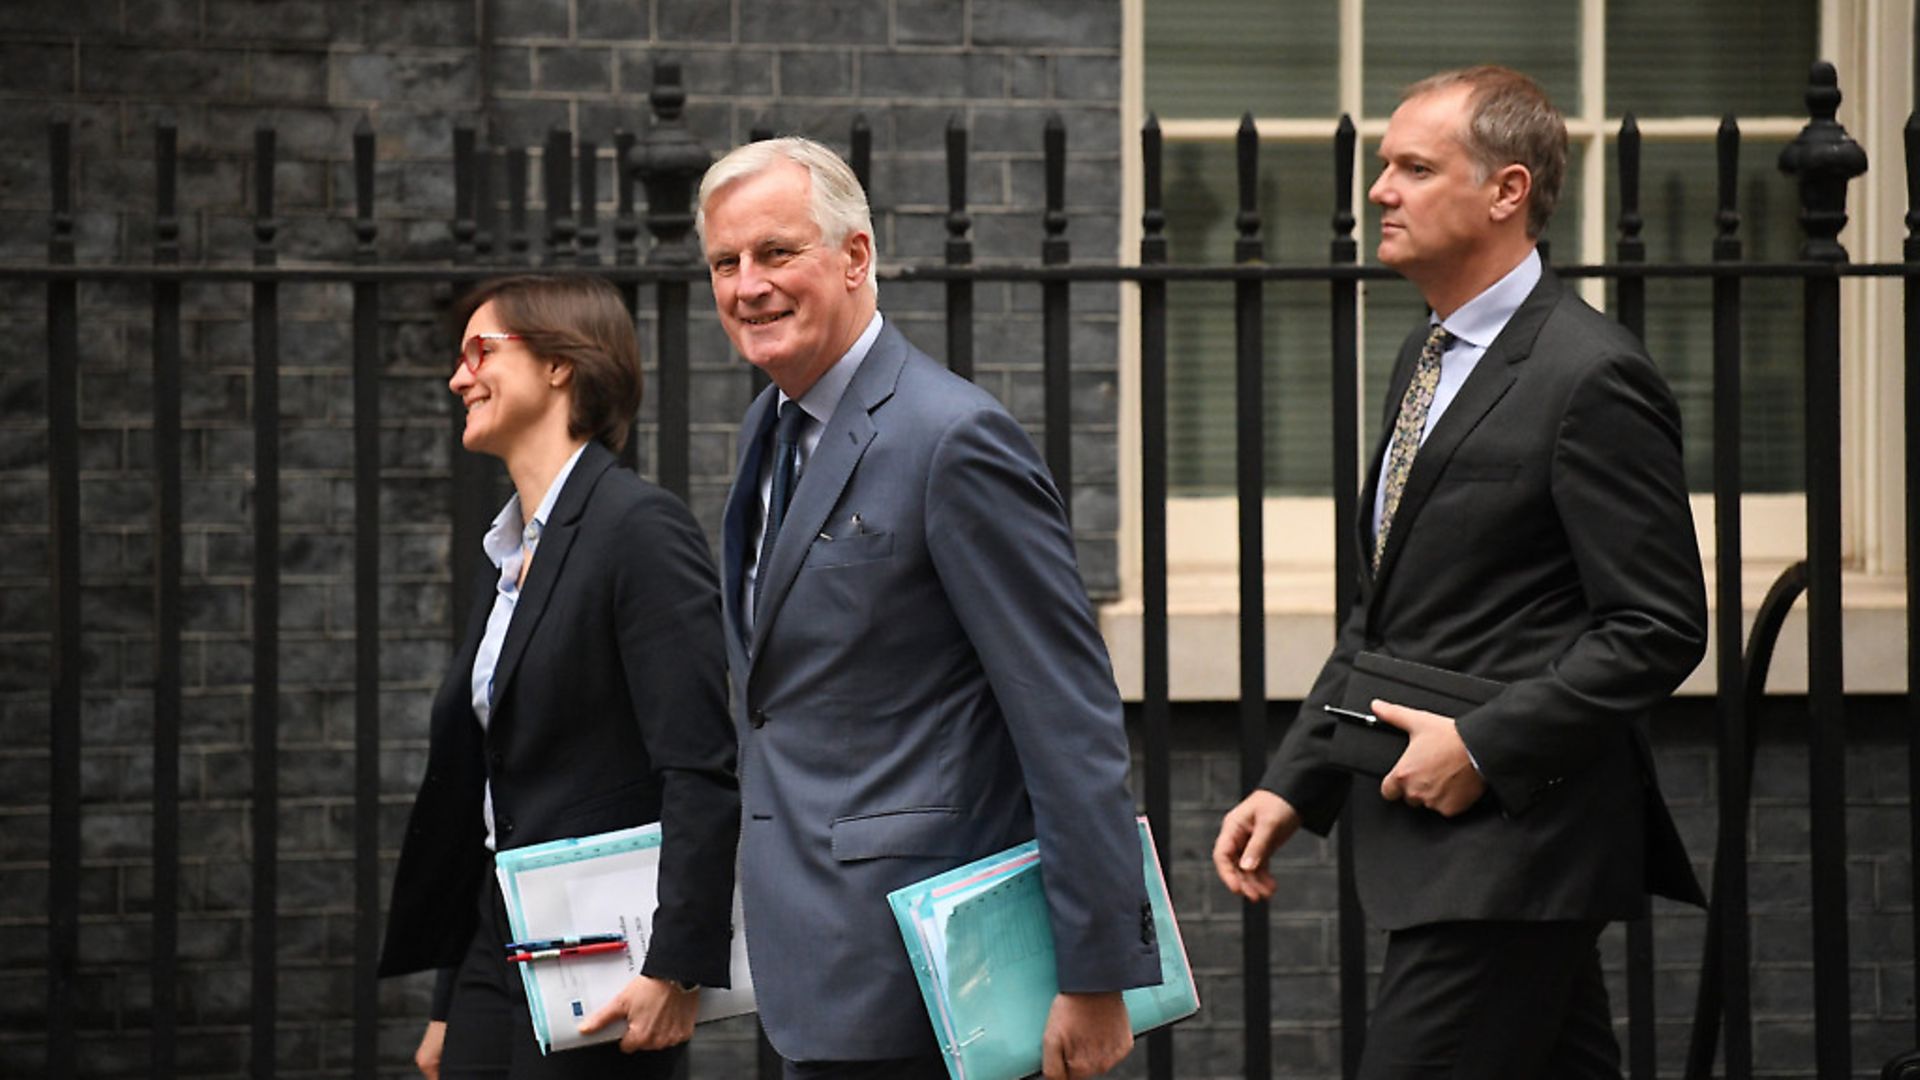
(1678, 202)
(1213, 58)
(1710, 57)
(1407, 40)
(1295, 204)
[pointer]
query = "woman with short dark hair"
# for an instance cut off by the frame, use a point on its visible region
(587, 696)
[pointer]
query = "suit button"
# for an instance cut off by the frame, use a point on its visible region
(504, 825)
(758, 719)
(495, 760)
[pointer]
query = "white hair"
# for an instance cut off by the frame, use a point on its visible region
(839, 203)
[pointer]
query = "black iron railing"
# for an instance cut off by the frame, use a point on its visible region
(667, 162)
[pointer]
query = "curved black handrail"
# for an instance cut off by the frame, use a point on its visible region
(1761, 640)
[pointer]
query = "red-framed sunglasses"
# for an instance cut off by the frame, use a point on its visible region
(472, 353)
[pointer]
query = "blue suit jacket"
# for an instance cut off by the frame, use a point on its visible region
(923, 686)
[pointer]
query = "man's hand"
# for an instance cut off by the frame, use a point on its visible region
(1434, 772)
(427, 1057)
(1087, 1034)
(658, 1014)
(1249, 835)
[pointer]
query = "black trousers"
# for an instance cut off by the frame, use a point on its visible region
(490, 1034)
(1492, 1001)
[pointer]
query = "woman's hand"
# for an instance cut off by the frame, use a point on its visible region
(658, 1014)
(427, 1057)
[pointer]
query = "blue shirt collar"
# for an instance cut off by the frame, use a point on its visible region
(511, 531)
(824, 395)
(1481, 319)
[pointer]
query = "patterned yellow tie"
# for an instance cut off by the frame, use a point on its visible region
(1407, 429)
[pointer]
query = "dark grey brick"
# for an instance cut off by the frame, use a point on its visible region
(934, 75)
(411, 77)
(816, 72)
(526, 123)
(1092, 77)
(1029, 77)
(422, 22)
(60, 16)
(167, 73)
(706, 72)
(622, 20)
(530, 19)
(281, 20)
(37, 67)
(288, 76)
(929, 22)
(846, 22)
(510, 68)
(1077, 23)
(574, 69)
(693, 20)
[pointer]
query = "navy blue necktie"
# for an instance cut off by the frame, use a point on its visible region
(786, 461)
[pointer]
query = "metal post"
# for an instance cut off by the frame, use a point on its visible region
(1735, 743)
(1345, 332)
(1156, 719)
(1824, 158)
(556, 169)
(1911, 250)
(366, 613)
(1630, 251)
(1250, 473)
(517, 240)
(1056, 324)
(63, 710)
(266, 617)
(959, 253)
(166, 610)
(587, 236)
(669, 162)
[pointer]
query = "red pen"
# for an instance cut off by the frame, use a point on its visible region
(575, 950)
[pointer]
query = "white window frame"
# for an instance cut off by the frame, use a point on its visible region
(1871, 42)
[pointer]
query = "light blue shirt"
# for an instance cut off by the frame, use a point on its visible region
(1473, 327)
(508, 544)
(818, 403)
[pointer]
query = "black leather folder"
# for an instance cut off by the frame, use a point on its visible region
(1371, 746)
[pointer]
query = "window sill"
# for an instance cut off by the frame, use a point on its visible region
(1204, 635)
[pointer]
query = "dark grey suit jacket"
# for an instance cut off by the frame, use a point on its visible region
(609, 711)
(1543, 540)
(924, 685)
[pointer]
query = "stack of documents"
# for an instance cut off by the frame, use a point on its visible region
(591, 885)
(982, 947)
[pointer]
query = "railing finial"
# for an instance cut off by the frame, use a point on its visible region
(1825, 159)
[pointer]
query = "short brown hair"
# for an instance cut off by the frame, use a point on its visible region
(580, 321)
(1509, 121)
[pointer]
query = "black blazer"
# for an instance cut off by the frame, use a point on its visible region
(610, 711)
(1543, 540)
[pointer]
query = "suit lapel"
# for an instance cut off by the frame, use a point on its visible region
(548, 560)
(743, 507)
(1491, 378)
(827, 471)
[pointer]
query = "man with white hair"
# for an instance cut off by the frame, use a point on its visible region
(918, 680)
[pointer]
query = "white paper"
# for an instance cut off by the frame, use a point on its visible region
(610, 893)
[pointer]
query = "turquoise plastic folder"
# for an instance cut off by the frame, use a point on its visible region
(982, 948)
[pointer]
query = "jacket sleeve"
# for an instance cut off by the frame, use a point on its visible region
(1299, 772)
(999, 540)
(1620, 489)
(668, 624)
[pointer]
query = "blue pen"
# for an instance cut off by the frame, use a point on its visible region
(542, 944)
